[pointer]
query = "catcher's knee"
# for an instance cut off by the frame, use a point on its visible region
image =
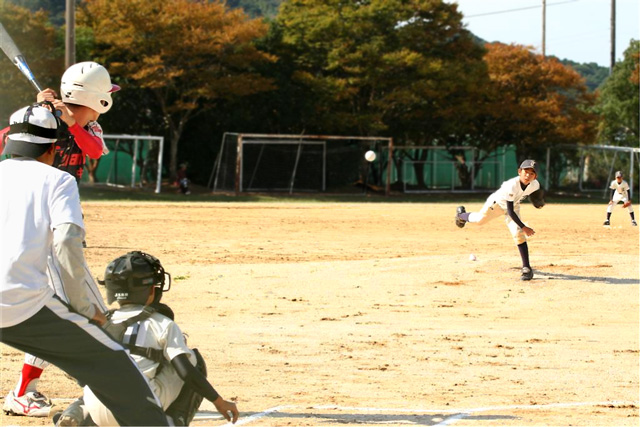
(184, 408)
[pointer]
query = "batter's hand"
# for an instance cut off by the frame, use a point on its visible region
(528, 231)
(47, 95)
(65, 114)
(224, 407)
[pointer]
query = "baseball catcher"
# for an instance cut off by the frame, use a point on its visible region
(146, 327)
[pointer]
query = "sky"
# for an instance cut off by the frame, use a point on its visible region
(579, 30)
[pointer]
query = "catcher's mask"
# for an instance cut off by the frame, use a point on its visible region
(130, 276)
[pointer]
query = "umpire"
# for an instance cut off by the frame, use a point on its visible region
(40, 212)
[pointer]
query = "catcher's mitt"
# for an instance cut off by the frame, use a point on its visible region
(537, 198)
(626, 204)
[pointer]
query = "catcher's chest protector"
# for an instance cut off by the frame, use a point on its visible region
(119, 332)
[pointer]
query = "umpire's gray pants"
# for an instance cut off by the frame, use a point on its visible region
(87, 353)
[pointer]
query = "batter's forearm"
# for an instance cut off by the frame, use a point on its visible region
(90, 145)
(67, 248)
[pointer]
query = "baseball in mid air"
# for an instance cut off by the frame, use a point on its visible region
(472, 257)
(370, 156)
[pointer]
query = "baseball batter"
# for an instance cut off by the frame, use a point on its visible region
(620, 194)
(40, 210)
(86, 93)
(506, 202)
(177, 374)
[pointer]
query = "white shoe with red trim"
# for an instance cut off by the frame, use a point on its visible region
(31, 404)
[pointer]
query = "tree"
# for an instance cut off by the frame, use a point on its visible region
(36, 39)
(595, 75)
(533, 102)
(619, 101)
(380, 66)
(188, 54)
(406, 69)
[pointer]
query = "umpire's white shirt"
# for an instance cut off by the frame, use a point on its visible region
(511, 191)
(35, 198)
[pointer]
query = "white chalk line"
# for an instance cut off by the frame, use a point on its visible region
(458, 414)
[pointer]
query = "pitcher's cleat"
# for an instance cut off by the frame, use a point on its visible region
(634, 223)
(31, 404)
(459, 221)
(606, 222)
(527, 273)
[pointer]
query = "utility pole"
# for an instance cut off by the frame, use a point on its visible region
(544, 28)
(613, 36)
(70, 34)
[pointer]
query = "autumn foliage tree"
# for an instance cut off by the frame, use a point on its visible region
(189, 54)
(533, 102)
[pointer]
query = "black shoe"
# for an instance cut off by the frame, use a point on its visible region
(606, 222)
(527, 273)
(459, 221)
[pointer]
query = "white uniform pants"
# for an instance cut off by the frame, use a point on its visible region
(492, 210)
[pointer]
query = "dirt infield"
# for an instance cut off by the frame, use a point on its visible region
(372, 313)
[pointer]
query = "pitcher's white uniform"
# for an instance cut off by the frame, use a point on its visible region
(496, 205)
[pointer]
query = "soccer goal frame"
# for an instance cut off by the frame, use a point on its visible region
(309, 158)
(137, 149)
(610, 159)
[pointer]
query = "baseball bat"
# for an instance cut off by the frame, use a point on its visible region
(13, 53)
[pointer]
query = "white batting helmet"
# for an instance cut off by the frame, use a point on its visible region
(88, 84)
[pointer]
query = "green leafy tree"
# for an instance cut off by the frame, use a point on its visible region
(381, 65)
(595, 75)
(406, 69)
(257, 8)
(36, 39)
(619, 102)
(189, 55)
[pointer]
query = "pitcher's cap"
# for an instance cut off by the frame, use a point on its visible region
(529, 164)
(618, 174)
(32, 130)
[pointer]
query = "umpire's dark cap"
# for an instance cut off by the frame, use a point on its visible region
(529, 164)
(32, 130)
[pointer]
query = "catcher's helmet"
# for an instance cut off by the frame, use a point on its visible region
(88, 84)
(130, 276)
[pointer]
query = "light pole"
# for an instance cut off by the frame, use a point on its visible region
(70, 34)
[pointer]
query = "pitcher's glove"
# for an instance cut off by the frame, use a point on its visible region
(626, 204)
(537, 198)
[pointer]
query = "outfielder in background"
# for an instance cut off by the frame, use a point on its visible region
(506, 202)
(620, 194)
(40, 213)
(145, 326)
(86, 93)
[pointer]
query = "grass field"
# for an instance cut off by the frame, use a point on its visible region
(344, 312)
